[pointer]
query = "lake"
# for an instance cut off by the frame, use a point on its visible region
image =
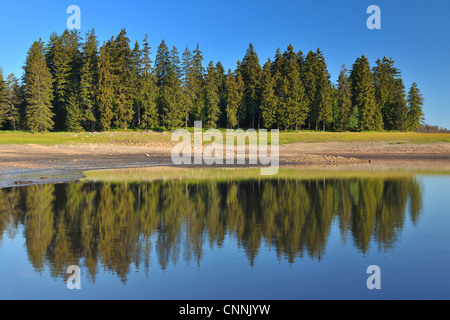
(280, 238)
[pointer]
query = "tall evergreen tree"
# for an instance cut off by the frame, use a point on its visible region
(344, 100)
(3, 99)
(363, 94)
(169, 97)
(39, 89)
(123, 87)
(323, 105)
(250, 70)
(415, 100)
(66, 65)
(310, 81)
(221, 89)
(197, 85)
(105, 87)
(268, 98)
(399, 106)
(13, 102)
(148, 90)
(385, 75)
(212, 98)
(89, 81)
(235, 95)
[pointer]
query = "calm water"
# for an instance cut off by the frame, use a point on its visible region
(268, 239)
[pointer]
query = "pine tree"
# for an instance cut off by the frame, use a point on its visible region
(197, 84)
(39, 91)
(212, 98)
(344, 98)
(13, 102)
(363, 94)
(268, 98)
(105, 87)
(310, 81)
(385, 75)
(169, 97)
(415, 100)
(66, 65)
(399, 106)
(89, 81)
(324, 107)
(250, 70)
(124, 89)
(221, 89)
(3, 99)
(235, 95)
(187, 92)
(148, 90)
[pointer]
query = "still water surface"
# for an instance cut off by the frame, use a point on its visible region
(251, 239)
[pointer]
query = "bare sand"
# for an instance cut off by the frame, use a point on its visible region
(27, 164)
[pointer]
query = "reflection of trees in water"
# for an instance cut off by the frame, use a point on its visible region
(116, 224)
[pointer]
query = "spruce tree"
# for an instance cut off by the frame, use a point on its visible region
(197, 84)
(124, 89)
(400, 108)
(250, 70)
(148, 90)
(89, 81)
(105, 87)
(363, 95)
(13, 102)
(385, 75)
(39, 90)
(344, 100)
(221, 89)
(310, 81)
(187, 92)
(3, 99)
(323, 105)
(235, 94)
(169, 98)
(268, 98)
(415, 100)
(66, 65)
(212, 98)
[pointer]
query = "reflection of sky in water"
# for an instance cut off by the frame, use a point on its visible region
(417, 266)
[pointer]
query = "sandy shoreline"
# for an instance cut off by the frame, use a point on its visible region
(27, 164)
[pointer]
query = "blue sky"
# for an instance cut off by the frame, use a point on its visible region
(414, 33)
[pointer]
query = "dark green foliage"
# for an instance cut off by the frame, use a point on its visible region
(268, 99)
(235, 98)
(416, 116)
(89, 81)
(363, 95)
(3, 99)
(250, 70)
(39, 90)
(344, 101)
(212, 98)
(118, 86)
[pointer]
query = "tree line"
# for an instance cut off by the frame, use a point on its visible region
(72, 84)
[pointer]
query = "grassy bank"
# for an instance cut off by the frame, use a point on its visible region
(143, 137)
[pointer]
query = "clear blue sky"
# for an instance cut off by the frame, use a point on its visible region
(414, 33)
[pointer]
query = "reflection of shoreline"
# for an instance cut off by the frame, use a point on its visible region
(112, 224)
